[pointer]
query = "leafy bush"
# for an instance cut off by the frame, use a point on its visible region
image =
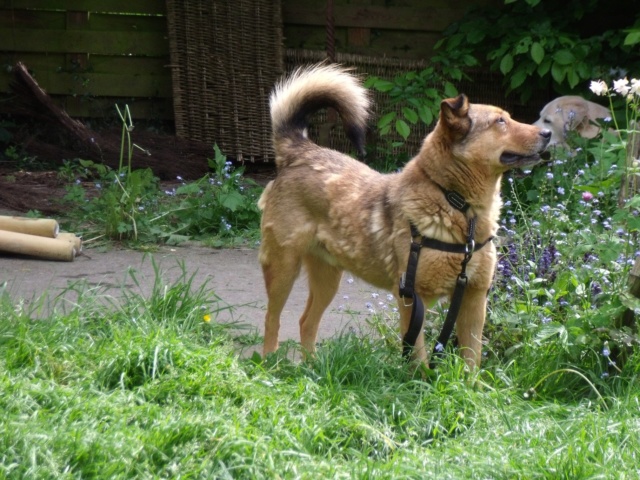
(570, 242)
(535, 44)
(223, 203)
(415, 97)
(129, 205)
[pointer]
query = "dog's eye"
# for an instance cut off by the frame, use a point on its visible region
(501, 120)
(546, 120)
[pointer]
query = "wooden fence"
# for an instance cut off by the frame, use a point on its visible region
(400, 29)
(89, 54)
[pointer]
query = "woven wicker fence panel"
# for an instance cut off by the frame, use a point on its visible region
(482, 87)
(226, 57)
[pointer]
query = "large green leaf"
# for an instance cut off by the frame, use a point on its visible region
(558, 72)
(425, 114)
(410, 114)
(402, 128)
(564, 57)
(231, 200)
(537, 52)
(506, 64)
(386, 119)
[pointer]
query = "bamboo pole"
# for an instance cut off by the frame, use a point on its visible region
(43, 227)
(73, 238)
(36, 246)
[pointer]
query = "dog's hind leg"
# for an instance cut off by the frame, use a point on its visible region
(324, 280)
(470, 324)
(280, 269)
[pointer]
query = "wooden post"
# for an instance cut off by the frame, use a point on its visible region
(73, 239)
(35, 246)
(43, 227)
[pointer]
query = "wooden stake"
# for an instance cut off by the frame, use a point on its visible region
(43, 227)
(73, 238)
(36, 246)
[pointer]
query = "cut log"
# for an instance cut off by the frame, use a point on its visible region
(35, 246)
(43, 227)
(73, 238)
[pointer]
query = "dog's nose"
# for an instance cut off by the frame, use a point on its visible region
(545, 133)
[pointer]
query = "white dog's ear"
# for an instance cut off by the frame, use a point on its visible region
(576, 115)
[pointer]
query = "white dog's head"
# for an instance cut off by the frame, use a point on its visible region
(571, 113)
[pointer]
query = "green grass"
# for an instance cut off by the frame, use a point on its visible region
(144, 388)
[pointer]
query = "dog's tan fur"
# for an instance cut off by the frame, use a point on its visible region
(571, 113)
(333, 213)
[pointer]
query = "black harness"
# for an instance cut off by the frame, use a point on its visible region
(407, 282)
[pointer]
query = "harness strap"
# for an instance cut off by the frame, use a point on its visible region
(450, 321)
(407, 288)
(415, 326)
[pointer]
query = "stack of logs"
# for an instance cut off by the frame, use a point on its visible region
(38, 237)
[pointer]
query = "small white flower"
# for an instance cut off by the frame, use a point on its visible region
(621, 86)
(635, 86)
(598, 87)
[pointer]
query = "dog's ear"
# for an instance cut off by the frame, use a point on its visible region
(577, 118)
(454, 115)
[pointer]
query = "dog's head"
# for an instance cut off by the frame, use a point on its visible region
(488, 137)
(571, 113)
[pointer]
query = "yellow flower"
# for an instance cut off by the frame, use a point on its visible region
(207, 318)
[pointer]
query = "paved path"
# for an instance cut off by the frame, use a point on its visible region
(234, 275)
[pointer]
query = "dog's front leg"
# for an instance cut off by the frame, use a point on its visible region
(470, 324)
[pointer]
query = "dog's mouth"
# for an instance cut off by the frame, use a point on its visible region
(515, 160)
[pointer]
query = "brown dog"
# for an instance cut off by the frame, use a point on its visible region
(571, 113)
(333, 213)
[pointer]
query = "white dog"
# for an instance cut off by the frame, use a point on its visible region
(571, 113)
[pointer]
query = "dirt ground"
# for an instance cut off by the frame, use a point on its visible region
(233, 275)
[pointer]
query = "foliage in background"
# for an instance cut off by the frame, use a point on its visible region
(535, 44)
(223, 203)
(220, 209)
(416, 95)
(561, 289)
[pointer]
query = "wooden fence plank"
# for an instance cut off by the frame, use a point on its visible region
(34, 19)
(157, 7)
(390, 43)
(390, 18)
(38, 62)
(105, 43)
(31, 19)
(140, 108)
(100, 84)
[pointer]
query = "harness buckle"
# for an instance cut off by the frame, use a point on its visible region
(469, 247)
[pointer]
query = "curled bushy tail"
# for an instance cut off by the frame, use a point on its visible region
(310, 89)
